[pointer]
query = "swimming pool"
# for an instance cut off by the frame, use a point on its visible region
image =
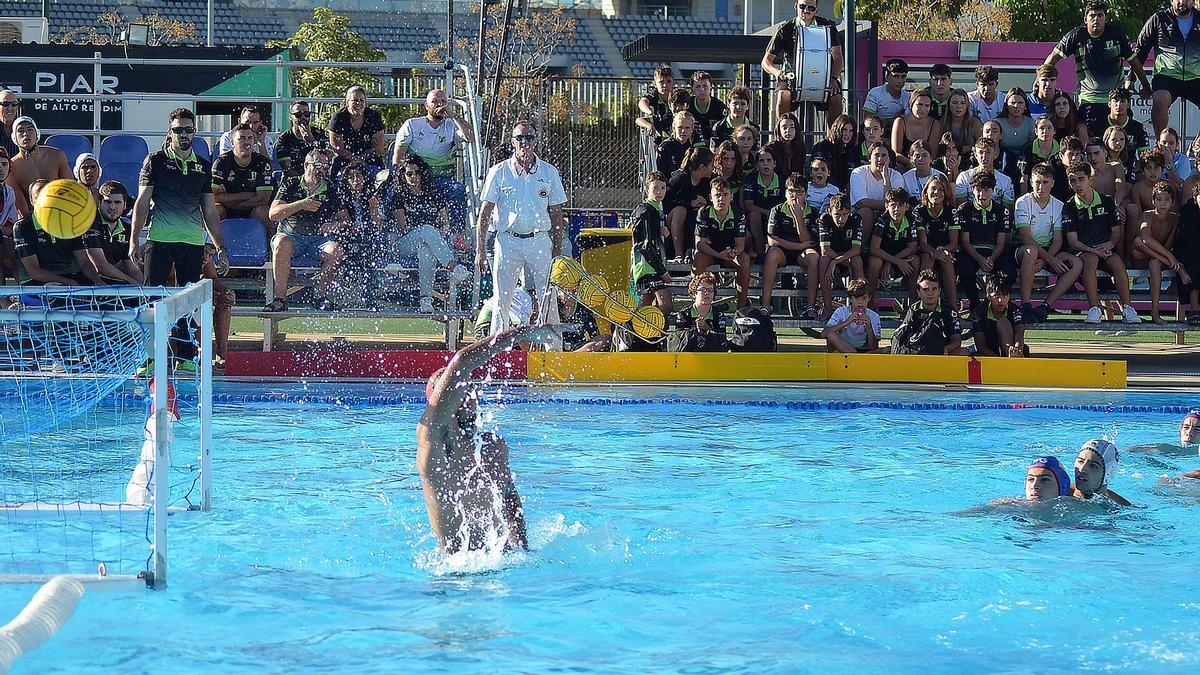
(669, 536)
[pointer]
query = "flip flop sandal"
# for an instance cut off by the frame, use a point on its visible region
(276, 305)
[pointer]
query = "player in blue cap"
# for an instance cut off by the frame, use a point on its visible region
(1046, 479)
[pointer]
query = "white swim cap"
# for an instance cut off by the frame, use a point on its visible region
(24, 120)
(1108, 455)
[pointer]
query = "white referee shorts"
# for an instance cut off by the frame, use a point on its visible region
(513, 254)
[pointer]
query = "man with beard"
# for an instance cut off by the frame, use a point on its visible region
(178, 183)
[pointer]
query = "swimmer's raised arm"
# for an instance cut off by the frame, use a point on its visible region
(447, 393)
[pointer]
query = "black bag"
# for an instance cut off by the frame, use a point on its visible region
(753, 331)
(692, 340)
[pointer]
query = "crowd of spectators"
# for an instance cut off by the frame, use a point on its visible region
(934, 182)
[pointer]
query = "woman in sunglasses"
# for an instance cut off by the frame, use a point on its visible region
(422, 225)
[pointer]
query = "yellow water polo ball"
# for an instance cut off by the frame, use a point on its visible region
(565, 275)
(619, 307)
(591, 293)
(648, 322)
(64, 209)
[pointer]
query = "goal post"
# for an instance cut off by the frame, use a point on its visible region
(87, 435)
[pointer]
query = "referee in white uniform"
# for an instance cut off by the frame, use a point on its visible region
(526, 196)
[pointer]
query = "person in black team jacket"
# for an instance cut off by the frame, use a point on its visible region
(648, 264)
(1176, 59)
(928, 327)
(705, 108)
(241, 180)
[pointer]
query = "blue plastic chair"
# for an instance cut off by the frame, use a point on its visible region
(245, 241)
(126, 172)
(123, 148)
(73, 145)
(200, 146)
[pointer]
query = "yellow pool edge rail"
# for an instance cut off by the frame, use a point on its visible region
(821, 367)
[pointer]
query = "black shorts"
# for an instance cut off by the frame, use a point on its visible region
(791, 256)
(648, 284)
(1094, 114)
(1188, 90)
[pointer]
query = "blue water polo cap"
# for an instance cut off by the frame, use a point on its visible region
(1055, 467)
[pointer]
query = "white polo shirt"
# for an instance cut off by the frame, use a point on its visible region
(435, 146)
(1042, 222)
(522, 198)
(864, 185)
(1004, 186)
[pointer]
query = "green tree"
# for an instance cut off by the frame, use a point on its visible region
(1048, 20)
(329, 37)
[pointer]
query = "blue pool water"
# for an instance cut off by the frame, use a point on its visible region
(676, 537)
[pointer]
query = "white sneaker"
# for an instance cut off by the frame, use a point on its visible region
(1093, 315)
(426, 305)
(1129, 315)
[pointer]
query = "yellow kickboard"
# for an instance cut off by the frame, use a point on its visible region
(820, 367)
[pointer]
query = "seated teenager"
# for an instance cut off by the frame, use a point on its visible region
(1187, 252)
(762, 191)
(937, 233)
(985, 225)
(869, 183)
(47, 260)
(721, 238)
(1093, 229)
(306, 208)
(819, 187)
(1152, 248)
(854, 328)
(1095, 466)
(894, 243)
(1040, 244)
(928, 326)
(672, 150)
(702, 315)
(839, 233)
(113, 229)
(687, 194)
(997, 324)
(789, 232)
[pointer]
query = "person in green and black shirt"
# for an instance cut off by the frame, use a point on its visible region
(997, 324)
(1100, 50)
(937, 233)
(739, 107)
(241, 180)
(761, 192)
(894, 242)
(706, 109)
(721, 237)
(45, 259)
(306, 208)
(790, 233)
(840, 235)
(702, 315)
(656, 111)
(113, 228)
(295, 143)
(1092, 223)
(985, 226)
(1117, 115)
(648, 267)
(1176, 61)
(178, 183)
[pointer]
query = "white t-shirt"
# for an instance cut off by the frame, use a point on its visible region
(523, 198)
(880, 101)
(981, 109)
(818, 197)
(1004, 187)
(863, 185)
(1042, 222)
(855, 333)
(435, 146)
(914, 184)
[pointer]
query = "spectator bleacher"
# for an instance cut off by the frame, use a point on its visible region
(626, 29)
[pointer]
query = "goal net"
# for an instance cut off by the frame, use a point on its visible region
(87, 435)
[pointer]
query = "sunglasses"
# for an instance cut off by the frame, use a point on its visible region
(10, 104)
(525, 138)
(183, 130)
(318, 165)
(301, 113)
(808, 8)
